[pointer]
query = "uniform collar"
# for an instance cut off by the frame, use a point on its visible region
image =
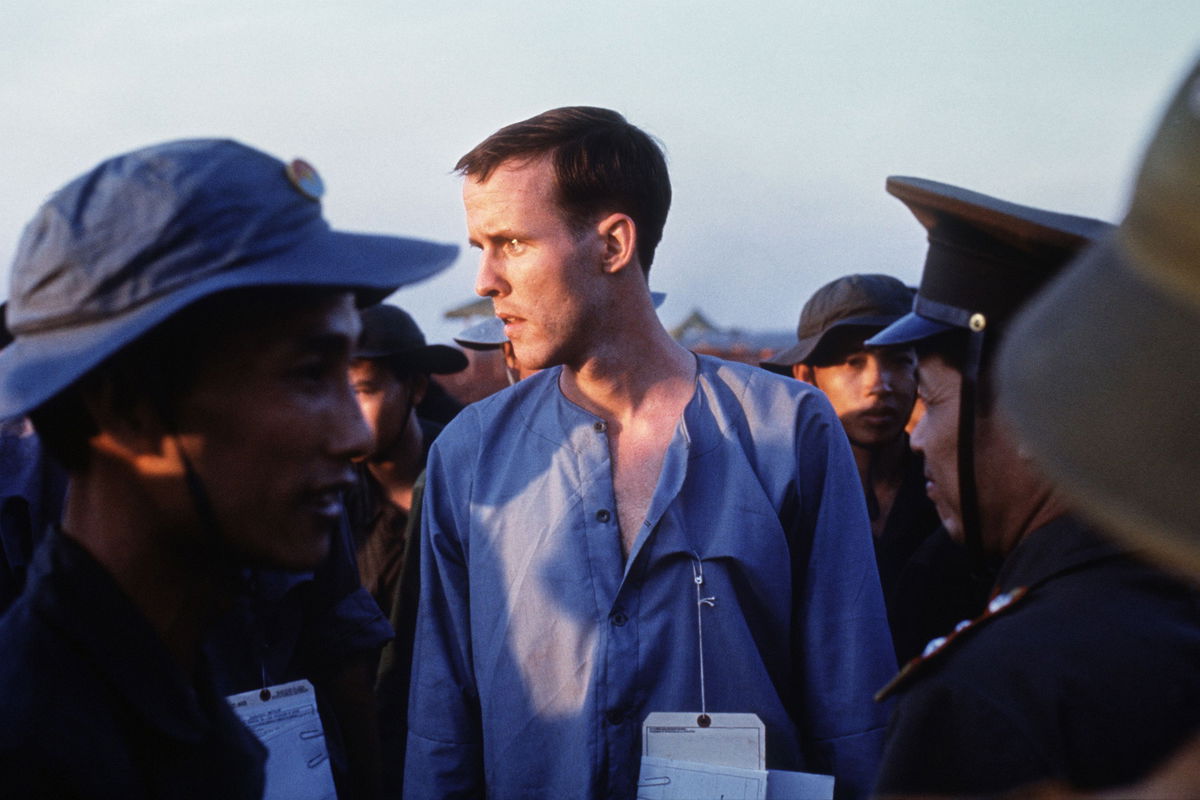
(1062, 545)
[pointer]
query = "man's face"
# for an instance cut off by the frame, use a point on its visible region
(539, 272)
(872, 390)
(386, 402)
(270, 424)
(1008, 490)
(936, 437)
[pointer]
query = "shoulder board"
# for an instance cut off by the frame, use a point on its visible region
(934, 650)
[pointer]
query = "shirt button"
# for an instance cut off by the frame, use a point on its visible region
(619, 618)
(614, 717)
(603, 515)
(600, 427)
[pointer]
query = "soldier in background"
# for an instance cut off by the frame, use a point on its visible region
(873, 390)
(1083, 666)
(391, 374)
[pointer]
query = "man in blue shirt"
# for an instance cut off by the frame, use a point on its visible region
(569, 518)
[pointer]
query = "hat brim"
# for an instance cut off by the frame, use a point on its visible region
(432, 359)
(1099, 376)
(37, 365)
(783, 362)
(485, 335)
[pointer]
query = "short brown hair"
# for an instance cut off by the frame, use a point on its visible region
(601, 164)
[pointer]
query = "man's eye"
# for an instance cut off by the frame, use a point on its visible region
(514, 246)
(315, 372)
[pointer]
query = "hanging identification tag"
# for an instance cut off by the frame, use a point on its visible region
(284, 718)
(729, 740)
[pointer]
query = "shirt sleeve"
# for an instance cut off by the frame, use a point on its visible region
(844, 647)
(445, 752)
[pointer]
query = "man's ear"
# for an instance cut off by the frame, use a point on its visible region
(418, 386)
(803, 372)
(129, 423)
(618, 233)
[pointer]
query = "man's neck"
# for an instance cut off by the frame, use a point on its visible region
(882, 465)
(630, 373)
(881, 472)
(398, 469)
(112, 518)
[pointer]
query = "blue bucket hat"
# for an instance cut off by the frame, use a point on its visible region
(121, 249)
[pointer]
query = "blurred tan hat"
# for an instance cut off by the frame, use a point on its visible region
(1101, 373)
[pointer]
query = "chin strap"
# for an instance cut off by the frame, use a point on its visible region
(212, 538)
(967, 488)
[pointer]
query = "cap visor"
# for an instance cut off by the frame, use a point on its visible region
(1099, 376)
(37, 366)
(909, 329)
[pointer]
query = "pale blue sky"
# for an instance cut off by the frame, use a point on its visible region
(781, 119)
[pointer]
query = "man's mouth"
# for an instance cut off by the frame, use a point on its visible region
(510, 323)
(880, 414)
(325, 500)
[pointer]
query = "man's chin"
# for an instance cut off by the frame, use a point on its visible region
(300, 554)
(872, 438)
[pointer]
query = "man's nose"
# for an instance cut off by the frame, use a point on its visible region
(489, 281)
(879, 379)
(351, 437)
(916, 439)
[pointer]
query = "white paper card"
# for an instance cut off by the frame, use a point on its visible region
(784, 785)
(665, 779)
(288, 724)
(731, 740)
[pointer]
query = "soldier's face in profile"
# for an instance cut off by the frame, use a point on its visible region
(1009, 490)
(936, 437)
(270, 424)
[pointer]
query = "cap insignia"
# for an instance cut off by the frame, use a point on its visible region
(305, 178)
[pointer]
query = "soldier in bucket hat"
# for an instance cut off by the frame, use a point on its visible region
(1098, 376)
(1062, 674)
(183, 320)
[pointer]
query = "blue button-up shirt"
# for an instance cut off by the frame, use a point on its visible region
(541, 649)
